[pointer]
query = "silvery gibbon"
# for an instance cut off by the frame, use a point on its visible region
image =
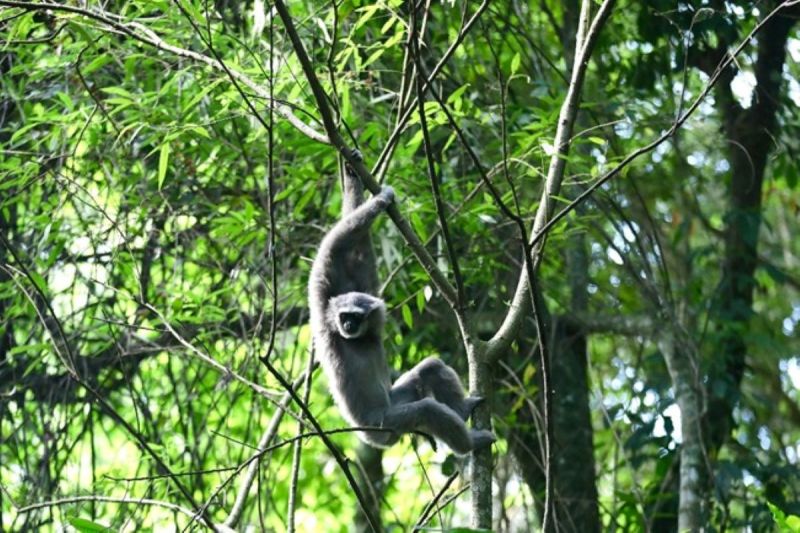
(347, 320)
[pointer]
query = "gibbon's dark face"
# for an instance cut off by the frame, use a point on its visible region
(355, 313)
(350, 322)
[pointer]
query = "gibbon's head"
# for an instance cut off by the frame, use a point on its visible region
(356, 314)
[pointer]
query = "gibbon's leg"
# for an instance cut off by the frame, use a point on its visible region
(435, 418)
(432, 377)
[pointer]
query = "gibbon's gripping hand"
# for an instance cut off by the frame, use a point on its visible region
(386, 196)
(356, 154)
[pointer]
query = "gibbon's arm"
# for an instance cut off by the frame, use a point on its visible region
(345, 233)
(348, 228)
(352, 191)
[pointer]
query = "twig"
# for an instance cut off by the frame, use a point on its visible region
(445, 503)
(269, 434)
(208, 359)
(433, 178)
(297, 449)
(383, 159)
(426, 512)
(105, 499)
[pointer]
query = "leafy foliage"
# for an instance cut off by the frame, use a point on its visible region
(137, 176)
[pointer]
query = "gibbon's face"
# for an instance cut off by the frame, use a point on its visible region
(352, 323)
(353, 314)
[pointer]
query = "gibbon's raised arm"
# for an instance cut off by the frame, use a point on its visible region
(354, 223)
(330, 265)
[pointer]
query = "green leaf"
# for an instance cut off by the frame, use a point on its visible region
(515, 62)
(118, 91)
(32, 348)
(86, 526)
(408, 318)
(450, 465)
(790, 523)
(368, 12)
(163, 161)
(96, 63)
(778, 275)
(40, 282)
(191, 104)
(374, 56)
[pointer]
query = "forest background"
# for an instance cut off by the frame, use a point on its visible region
(167, 170)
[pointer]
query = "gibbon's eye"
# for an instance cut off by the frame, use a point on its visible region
(350, 322)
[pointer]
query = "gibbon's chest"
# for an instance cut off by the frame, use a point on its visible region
(359, 379)
(359, 361)
(356, 355)
(356, 266)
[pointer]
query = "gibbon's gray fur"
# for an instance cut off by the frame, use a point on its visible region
(347, 324)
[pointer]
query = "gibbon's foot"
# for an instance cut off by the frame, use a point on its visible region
(386, 194)
(429, 438)
(470, 403)
(481, 438)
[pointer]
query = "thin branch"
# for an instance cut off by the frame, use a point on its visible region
(431, 505)
(432, 176)
(105, 499)
(508, 330)
(226, 371)
(382, 163)
(298, 448)
(445, 503)
(252, 470)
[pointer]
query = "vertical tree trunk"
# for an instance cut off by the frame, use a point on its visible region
(751, 134)
(682, 364)
(575, 490)
(480, 383)
(576, 504)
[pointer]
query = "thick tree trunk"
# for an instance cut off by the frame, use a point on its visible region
(751, 134)
(575, 490)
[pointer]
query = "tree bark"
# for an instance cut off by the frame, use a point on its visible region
(573, 448)
(751, 132)
(682, 364)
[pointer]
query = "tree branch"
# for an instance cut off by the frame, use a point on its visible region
(566, 119)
